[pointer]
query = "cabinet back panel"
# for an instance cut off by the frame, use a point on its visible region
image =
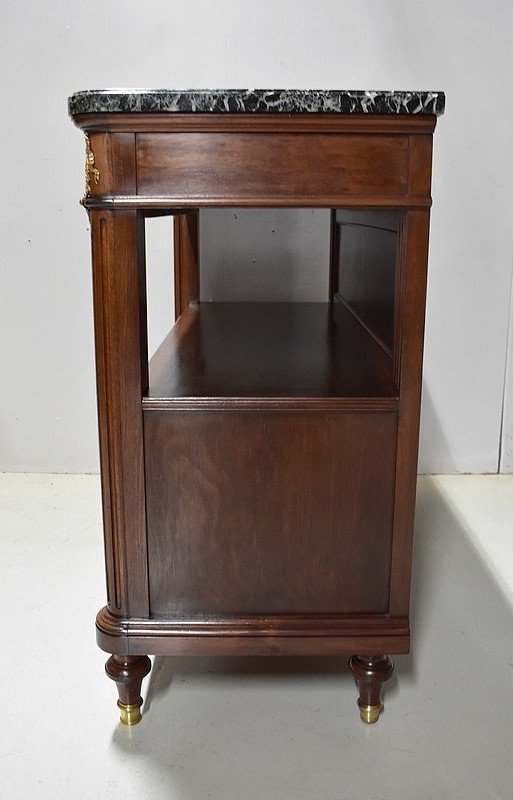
(364, 277)
(269, 512)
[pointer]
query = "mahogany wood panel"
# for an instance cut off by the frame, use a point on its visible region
(365, 273)
(178, 205)
(165, 644)
(256, 625)
(230, 168)
(412, 296)
(264, 636)
(276, 404)
(190, 645)
(186, 260)
(384, 218)
(256, 123)
(252, 635)
(258, 512)
(115, 159)
(120, 361)
(270, 350)
(421, 150)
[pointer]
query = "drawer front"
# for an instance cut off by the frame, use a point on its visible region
(272, 168)
(269, 513)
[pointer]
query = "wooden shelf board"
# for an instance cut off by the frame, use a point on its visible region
(283, 355)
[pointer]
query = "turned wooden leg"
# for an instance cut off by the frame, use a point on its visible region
(128, 673)
(370, 673)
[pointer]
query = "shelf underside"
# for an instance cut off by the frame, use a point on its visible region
(270, 351)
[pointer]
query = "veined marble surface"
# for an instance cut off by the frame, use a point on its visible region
(288, 101)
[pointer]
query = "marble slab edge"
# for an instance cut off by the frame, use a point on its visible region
(243, 101)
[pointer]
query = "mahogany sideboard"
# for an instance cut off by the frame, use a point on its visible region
(259, 472)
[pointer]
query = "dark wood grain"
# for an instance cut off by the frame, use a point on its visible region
(186, 261)
(256, 123)
(179, 203)
(121, 378)
(208, 167)
(252, 636)
(283, 513)
(115, 159)
(128, 673)
(270, 350)
(412, 296)
(365, 273)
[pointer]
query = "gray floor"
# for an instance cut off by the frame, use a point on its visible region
(258, 728)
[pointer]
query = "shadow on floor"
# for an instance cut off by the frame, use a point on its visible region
(288, 727)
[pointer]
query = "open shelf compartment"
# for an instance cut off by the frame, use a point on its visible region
(269, 350)
(262, 506)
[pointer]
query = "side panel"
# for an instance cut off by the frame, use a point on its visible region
(269, 513)
(409, 351)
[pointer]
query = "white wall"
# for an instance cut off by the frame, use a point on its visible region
(265, 254)
(506, 456)
(50, 49)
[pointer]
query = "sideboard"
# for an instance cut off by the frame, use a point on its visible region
(259, 471)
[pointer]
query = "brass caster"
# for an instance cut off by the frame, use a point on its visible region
(370, 714)
(130, 714)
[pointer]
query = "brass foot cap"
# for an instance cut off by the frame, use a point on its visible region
(130, 714)
(370, 714)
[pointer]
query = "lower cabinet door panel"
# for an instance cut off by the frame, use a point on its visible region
(269, 512)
